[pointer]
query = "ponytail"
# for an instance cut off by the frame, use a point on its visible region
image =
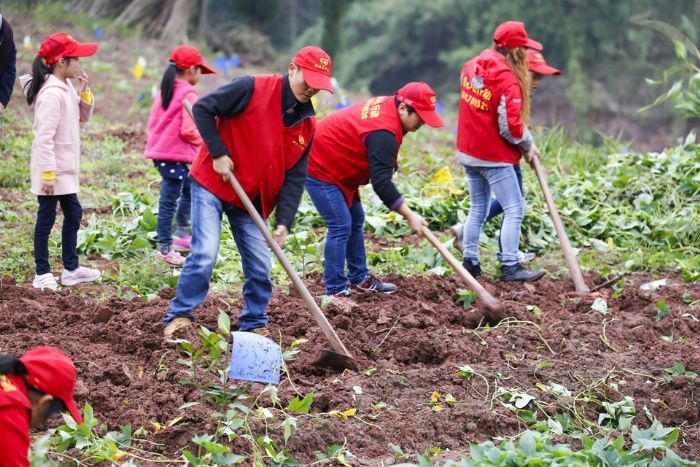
(11, 365)
(39, 73)
(518, 63)
(167, 85)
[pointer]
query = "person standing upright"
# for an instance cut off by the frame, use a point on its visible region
(492, 135)
(8, 59)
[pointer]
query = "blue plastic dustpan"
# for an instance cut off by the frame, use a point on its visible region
(254, 358)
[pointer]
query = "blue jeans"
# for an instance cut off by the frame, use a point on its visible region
(193, 285)
(504, 183)
(46, 217)
(345, 242)
(496, 207)
(172, 189)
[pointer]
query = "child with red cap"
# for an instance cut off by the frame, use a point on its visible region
(538, 69)
(492, 135)
(172, 143)
(354, 146)
(258, 128)
(55, 158)
(32, 388)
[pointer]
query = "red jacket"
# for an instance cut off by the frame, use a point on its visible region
(15, 409)
(489, 125)
(261, 148)
(339, 155)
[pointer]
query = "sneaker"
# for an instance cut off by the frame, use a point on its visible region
(472, 268)
(525, 257)
(517, 273)
(182, 243)
(260, 331)
(457, 231)
(372, 284)
(80, 275)
(174, 325)
(346, 293)
(173, 258)
(45, 281)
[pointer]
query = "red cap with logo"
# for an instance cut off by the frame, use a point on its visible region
(512, 34)
(51, 371)
(61, 45)
(421, 97)
(316, 64)
(185, 56)
(538, 64)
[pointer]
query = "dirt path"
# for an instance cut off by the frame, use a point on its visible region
(415, 340)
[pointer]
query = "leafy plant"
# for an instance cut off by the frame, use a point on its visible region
(466, 298)
(677, 371)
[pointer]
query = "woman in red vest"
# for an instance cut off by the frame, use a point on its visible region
(492, 135)
(32, 388)
(352, 147)
(259, 128)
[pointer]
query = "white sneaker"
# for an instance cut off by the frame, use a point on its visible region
(45, 281)
(80, 275)
(525, 257)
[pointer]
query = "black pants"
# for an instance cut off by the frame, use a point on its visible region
(72, 213)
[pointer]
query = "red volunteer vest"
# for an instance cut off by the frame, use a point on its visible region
(477, 127)
(14, 422)
(261, 148)
(339, 155)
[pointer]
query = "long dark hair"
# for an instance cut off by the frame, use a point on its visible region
(11, 365)
(167, 85)
(40, 71)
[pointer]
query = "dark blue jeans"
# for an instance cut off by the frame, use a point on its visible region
(345, 242)
(172, 190)
(193, 285)
(496, 207)
(46, 217)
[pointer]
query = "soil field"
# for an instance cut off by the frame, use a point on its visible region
(416, 340)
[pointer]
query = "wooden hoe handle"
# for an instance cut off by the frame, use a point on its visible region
(313, 307)
(569, 256)
(483, 294)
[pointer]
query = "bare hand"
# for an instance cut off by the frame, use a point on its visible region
(83, 78)
(531, 153)
(416, 223)
(47, 187)
(280, 234)
(224, 165)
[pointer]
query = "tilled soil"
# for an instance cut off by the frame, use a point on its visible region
(415, 339)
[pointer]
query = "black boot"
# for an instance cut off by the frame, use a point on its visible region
(472, 268)
(517, 273)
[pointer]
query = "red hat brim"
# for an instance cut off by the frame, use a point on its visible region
(317, 80)
(84, 49)
(73, 410)
(543, 69)
(533, 44)
(207, 69)
(430, 117)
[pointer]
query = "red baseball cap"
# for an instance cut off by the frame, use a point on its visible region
(61, 45)
(421, 97)
(51, 371)
(512, 34)
(538, 64)
(316, 64)
(186, 56)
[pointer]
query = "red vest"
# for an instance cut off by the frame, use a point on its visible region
(14, 422)
(261, 148)
(339, 155)
(477, 127)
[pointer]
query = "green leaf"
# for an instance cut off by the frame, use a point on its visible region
(224, 322)
(301, 405)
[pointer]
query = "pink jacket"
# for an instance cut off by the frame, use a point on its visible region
(172, 135)
(58, 112)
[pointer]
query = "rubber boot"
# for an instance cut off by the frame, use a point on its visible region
(472, 268)
(517, 273)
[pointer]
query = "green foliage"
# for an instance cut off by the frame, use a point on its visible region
(677, 371)
(466, 298)
(301, 405)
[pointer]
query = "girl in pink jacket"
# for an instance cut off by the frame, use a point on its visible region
(55, 157)
(173, 141)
